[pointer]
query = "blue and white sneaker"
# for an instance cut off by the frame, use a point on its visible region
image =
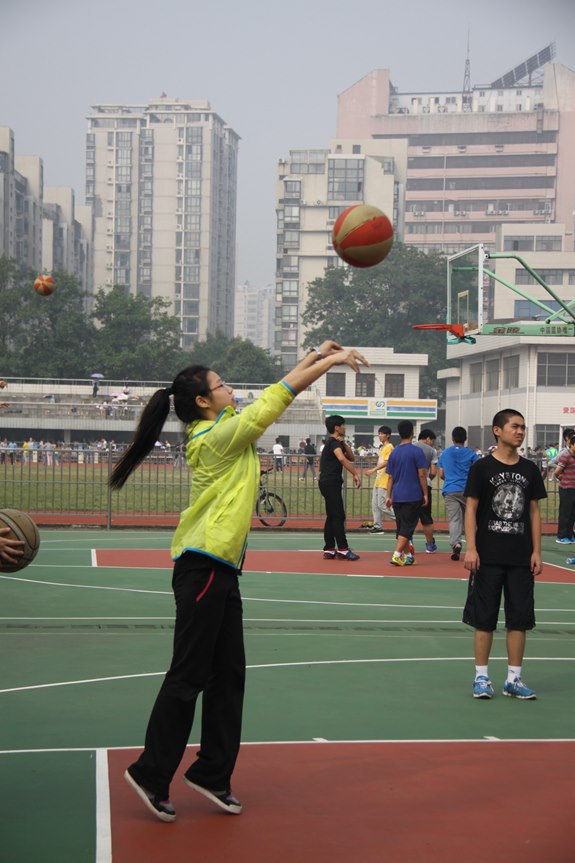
(517, 689)
(482, 687)
(409, 559)
(563, 540)
(431, 547)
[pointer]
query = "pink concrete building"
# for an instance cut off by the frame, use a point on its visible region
(475, 160)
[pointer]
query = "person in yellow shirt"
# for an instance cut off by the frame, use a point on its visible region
(380, 485)
(208, 548)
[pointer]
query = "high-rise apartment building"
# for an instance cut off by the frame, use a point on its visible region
(40, 226)
(449, 168)
(254, 314)
(162, 179)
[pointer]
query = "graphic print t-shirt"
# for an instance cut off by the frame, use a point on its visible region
(504, 492)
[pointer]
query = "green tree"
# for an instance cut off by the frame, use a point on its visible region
(376, 307)
(236, 359)
(42, 336)
(136, 338)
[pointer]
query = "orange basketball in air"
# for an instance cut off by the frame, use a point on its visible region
(44, 285)
(362, 235)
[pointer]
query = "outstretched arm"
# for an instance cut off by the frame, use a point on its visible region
(312, 367)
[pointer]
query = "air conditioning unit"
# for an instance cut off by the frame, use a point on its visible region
(109, 282)
(179, 212)
(319, 203)
(109, 266)
(110, 163)
(109, 248)
(109, 230)
(180, 140)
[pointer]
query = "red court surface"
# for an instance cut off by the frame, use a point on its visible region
(370, 563)
(364, 803)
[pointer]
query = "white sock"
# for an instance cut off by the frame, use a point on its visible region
(481, 671)
(513, 671)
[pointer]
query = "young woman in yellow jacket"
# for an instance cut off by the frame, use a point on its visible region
(208, 548)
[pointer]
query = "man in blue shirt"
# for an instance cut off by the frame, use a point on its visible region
(454, 463)
(406, 490)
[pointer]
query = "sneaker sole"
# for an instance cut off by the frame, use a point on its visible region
(520, 697)
(163, 816)
(233, 809)
(485, 696)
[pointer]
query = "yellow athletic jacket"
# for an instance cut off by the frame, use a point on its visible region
(225, 476)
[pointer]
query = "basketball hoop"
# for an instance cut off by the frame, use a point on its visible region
(457, 330)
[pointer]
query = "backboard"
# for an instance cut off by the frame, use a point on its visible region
(483, 302)
(465, 289)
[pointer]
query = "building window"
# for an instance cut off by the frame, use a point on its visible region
(525, 310)
(335, 384)
(548, 244)
(555, 369)
(394, 386)
(518, 244)
(365, 386)
(547, 435)
(345, 179)
(492, 375)
(511, 372)
(476, 377)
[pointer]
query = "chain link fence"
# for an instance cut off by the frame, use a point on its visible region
(69, 485)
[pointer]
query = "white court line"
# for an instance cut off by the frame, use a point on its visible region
(319, 741)
(93, 557)
(103, 822)
(85, 586)
(306, 664)
(300, 620)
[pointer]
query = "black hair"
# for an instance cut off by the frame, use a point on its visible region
(501, 418)
(186, 387)
(333, 421)
(567, 433)
(405, 429)
(384, 430)
(426, 433)
(459, 435)
(572, 440)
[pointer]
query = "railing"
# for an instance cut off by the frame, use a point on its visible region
(69, 485)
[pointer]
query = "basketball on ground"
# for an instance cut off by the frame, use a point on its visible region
(362, 235)
(44, 285)
(23, 529)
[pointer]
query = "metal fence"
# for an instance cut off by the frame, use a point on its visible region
(69, 485)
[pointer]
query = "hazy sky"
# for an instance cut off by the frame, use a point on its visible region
(272, 70)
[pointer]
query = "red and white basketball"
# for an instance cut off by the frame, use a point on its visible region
(362, 235)
(44, 285)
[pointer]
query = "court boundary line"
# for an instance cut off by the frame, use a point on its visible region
(103, 811)
(258, 667)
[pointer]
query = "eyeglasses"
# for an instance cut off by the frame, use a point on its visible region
(219, 387)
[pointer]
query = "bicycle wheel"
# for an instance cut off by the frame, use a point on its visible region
(271, 510)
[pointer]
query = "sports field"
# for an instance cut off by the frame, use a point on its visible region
(362, 741)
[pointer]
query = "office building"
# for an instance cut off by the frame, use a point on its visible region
(448, 167)
(162, 180)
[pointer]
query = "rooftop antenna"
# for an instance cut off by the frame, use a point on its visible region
(466, 96)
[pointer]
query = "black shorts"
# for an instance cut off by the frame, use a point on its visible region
(484, 597)
(407, 516)
(425, 511)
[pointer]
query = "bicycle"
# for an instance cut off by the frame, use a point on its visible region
(270, 508)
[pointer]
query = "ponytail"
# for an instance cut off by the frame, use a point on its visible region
(187, 385)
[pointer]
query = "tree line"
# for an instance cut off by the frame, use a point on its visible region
(137, 338)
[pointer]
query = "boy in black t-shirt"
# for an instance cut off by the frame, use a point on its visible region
(335, 456)
(503, 535)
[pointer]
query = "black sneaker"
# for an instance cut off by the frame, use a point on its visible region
(346, 555)
(329, 555)
(456, 552)
(162, 809)
(375, 529)
(223, 799)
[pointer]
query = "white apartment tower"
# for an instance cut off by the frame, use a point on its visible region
(162, 180)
